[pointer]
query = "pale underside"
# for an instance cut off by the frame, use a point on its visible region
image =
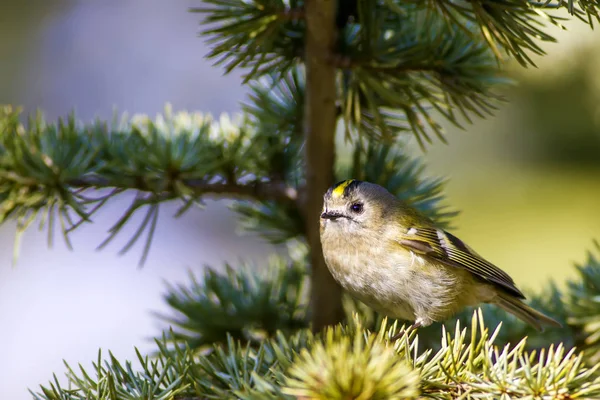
(400, 283)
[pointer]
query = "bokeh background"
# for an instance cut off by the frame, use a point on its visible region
(527, 181)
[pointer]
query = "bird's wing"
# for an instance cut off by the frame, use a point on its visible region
(450, 250)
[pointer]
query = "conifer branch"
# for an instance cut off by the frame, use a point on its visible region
(259, 36)
(340, 363)
(292, 14)
(258, 191)
(48, 169)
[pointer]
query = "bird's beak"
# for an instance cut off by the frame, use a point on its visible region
(331, 215)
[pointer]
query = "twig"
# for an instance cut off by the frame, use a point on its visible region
(293, 14)
(254, 190)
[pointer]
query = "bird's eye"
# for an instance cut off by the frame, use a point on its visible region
(356, 208)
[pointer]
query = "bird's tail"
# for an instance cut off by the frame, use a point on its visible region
(522, 311)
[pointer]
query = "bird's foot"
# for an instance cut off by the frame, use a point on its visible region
(398, 335)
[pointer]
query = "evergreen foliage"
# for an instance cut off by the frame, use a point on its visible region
(244, 333)
(341, 363)
(245, 303)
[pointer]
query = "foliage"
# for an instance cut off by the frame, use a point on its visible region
(345, 365)
(400, 60)
(396, 58)
(467, 363)
(339, 363)
(56, 169)
(243, 334)
(398, 67)
(161, 379)
(583, 302)
(244, 303)
(275, 108)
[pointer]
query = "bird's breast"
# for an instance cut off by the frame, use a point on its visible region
(395, 281)
(377, 274)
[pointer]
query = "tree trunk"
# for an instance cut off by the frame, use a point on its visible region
(319, 125)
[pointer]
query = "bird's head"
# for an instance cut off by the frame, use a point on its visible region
(351, 206)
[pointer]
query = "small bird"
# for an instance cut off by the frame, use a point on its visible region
(397, 261)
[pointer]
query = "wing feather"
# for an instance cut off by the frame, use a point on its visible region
(450, 250)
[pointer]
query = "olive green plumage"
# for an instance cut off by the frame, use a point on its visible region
(397, 261)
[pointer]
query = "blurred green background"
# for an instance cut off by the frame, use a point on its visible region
(527, 180)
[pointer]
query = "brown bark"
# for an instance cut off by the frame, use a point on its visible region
(257, 191)
(320, 122)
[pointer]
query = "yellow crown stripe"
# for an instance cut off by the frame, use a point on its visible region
(339, 189)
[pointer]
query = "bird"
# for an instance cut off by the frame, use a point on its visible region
(397, 261)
